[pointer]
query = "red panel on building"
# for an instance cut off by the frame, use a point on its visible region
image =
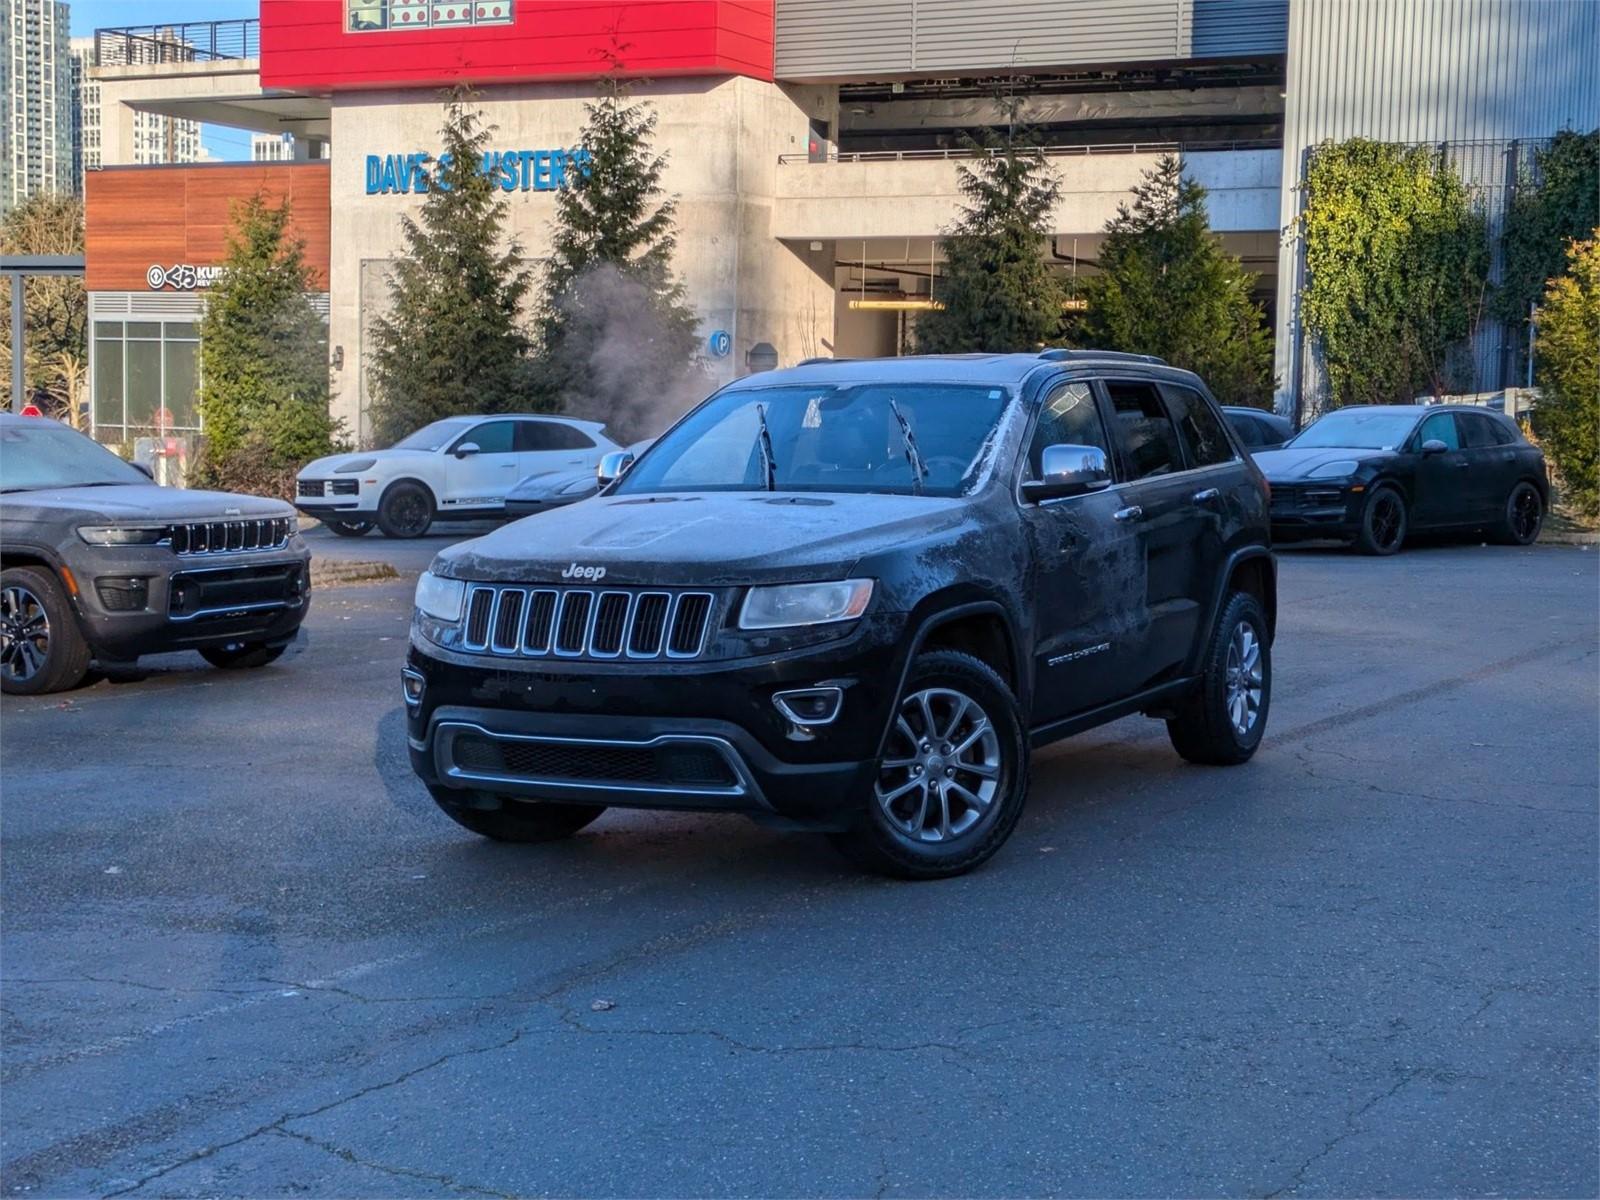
(311, 45)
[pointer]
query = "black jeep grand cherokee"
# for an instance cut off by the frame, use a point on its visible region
(849, 597)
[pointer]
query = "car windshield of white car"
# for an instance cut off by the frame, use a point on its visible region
(432, 437)
(43, 454)
(1357, 429)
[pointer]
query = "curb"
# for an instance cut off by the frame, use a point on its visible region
(1575, 538)
(325, 572)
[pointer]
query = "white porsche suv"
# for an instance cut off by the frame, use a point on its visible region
(459, 468)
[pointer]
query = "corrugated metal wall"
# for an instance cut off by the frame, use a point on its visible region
(819, 39)
(1477, 74)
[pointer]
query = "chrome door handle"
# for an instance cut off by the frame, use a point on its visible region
(1132, 513)
(1207, 494)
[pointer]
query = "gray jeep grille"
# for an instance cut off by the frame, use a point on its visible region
(600, 623)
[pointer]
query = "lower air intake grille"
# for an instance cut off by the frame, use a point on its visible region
(682, 764)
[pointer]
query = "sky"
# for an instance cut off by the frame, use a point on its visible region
(89, 15)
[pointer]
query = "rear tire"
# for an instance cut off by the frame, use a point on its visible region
(954, 775)
(349, 528)
(41, 647)
(405, 511)
(246, 657)
(1383, 522)
(1522, 517)
(516, 820)
(1222, 722)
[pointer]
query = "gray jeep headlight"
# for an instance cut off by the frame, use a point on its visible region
(440, 598)
(791, 604)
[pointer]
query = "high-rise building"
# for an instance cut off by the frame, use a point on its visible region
(156, 138)
(271, 147)
(36, 83)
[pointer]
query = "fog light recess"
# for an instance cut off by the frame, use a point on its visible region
(810, 706)
(412, 684)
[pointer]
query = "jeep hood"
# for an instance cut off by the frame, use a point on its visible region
(126, 503)
(706, 539)
(1288, 465)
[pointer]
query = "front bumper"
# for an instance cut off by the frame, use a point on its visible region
(1305, 511)
(188, 603)
(674, 735)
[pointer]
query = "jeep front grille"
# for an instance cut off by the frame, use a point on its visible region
(508, 619)
(231, 537)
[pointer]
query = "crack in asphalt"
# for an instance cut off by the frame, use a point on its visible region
(349, 1156)
(1402, 794)
(1351, 1128)
(278, 1125)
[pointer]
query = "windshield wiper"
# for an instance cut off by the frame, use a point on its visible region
(769, 465)
(918, 471)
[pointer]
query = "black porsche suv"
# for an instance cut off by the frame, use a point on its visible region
(850, 597)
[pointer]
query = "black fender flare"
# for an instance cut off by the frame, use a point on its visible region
(945, 616)
(15, 554)
(1241, 555)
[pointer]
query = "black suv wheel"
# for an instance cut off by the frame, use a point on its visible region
(41, 649)
(515, 820)
(1222, 723)
(405, 511)
(1383, 522)
(1522, 517)
(348, 528)
(953, 777)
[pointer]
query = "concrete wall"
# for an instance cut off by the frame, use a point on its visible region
(919, 197)
(723, 138)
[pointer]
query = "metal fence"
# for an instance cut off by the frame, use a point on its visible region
(195, 41)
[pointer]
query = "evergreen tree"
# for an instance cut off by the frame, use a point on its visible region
(1167, 287)
(612, 313)
(263, 358)
(997, 289)
(1567, 361)
(452, 340)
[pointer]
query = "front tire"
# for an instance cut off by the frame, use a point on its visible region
(1522, 517)
(351, 529)
(41, 648)
(515, 820)
(405, 511)
(1384, 521)
(953, 778)
(1222, 722)
(245, 656)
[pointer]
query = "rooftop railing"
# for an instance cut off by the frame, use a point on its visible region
(193, 41)
(871, 156)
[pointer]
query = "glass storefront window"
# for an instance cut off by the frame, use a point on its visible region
(140, 367)
(365, 16)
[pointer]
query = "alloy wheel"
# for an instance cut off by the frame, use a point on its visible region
(1244, 678)
(1386, 520)
(941, 772)
(1526, 513)
(24, 634)
(410, 513)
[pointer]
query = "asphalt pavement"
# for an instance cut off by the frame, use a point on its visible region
(244, 956)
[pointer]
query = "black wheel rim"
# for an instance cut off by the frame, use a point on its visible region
(24, 634)
(1526, 513)
(1386, 521)
(410, 512)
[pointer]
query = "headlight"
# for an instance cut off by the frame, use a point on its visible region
(1334, 470)
(793, 604)
(124, 535)
(440, 598)
(349, 468)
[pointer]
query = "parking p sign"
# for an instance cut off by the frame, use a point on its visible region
(720, 344)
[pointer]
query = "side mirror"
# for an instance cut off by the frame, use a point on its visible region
(1434, 446)
(1068, 470)
(466, 448)
(613, 465)
(144, 469)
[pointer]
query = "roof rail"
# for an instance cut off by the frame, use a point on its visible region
(821, 358)
(1061, 355)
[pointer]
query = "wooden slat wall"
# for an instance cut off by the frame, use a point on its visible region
(138, 216)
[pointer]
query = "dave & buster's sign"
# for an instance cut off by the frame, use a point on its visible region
(513, 170)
